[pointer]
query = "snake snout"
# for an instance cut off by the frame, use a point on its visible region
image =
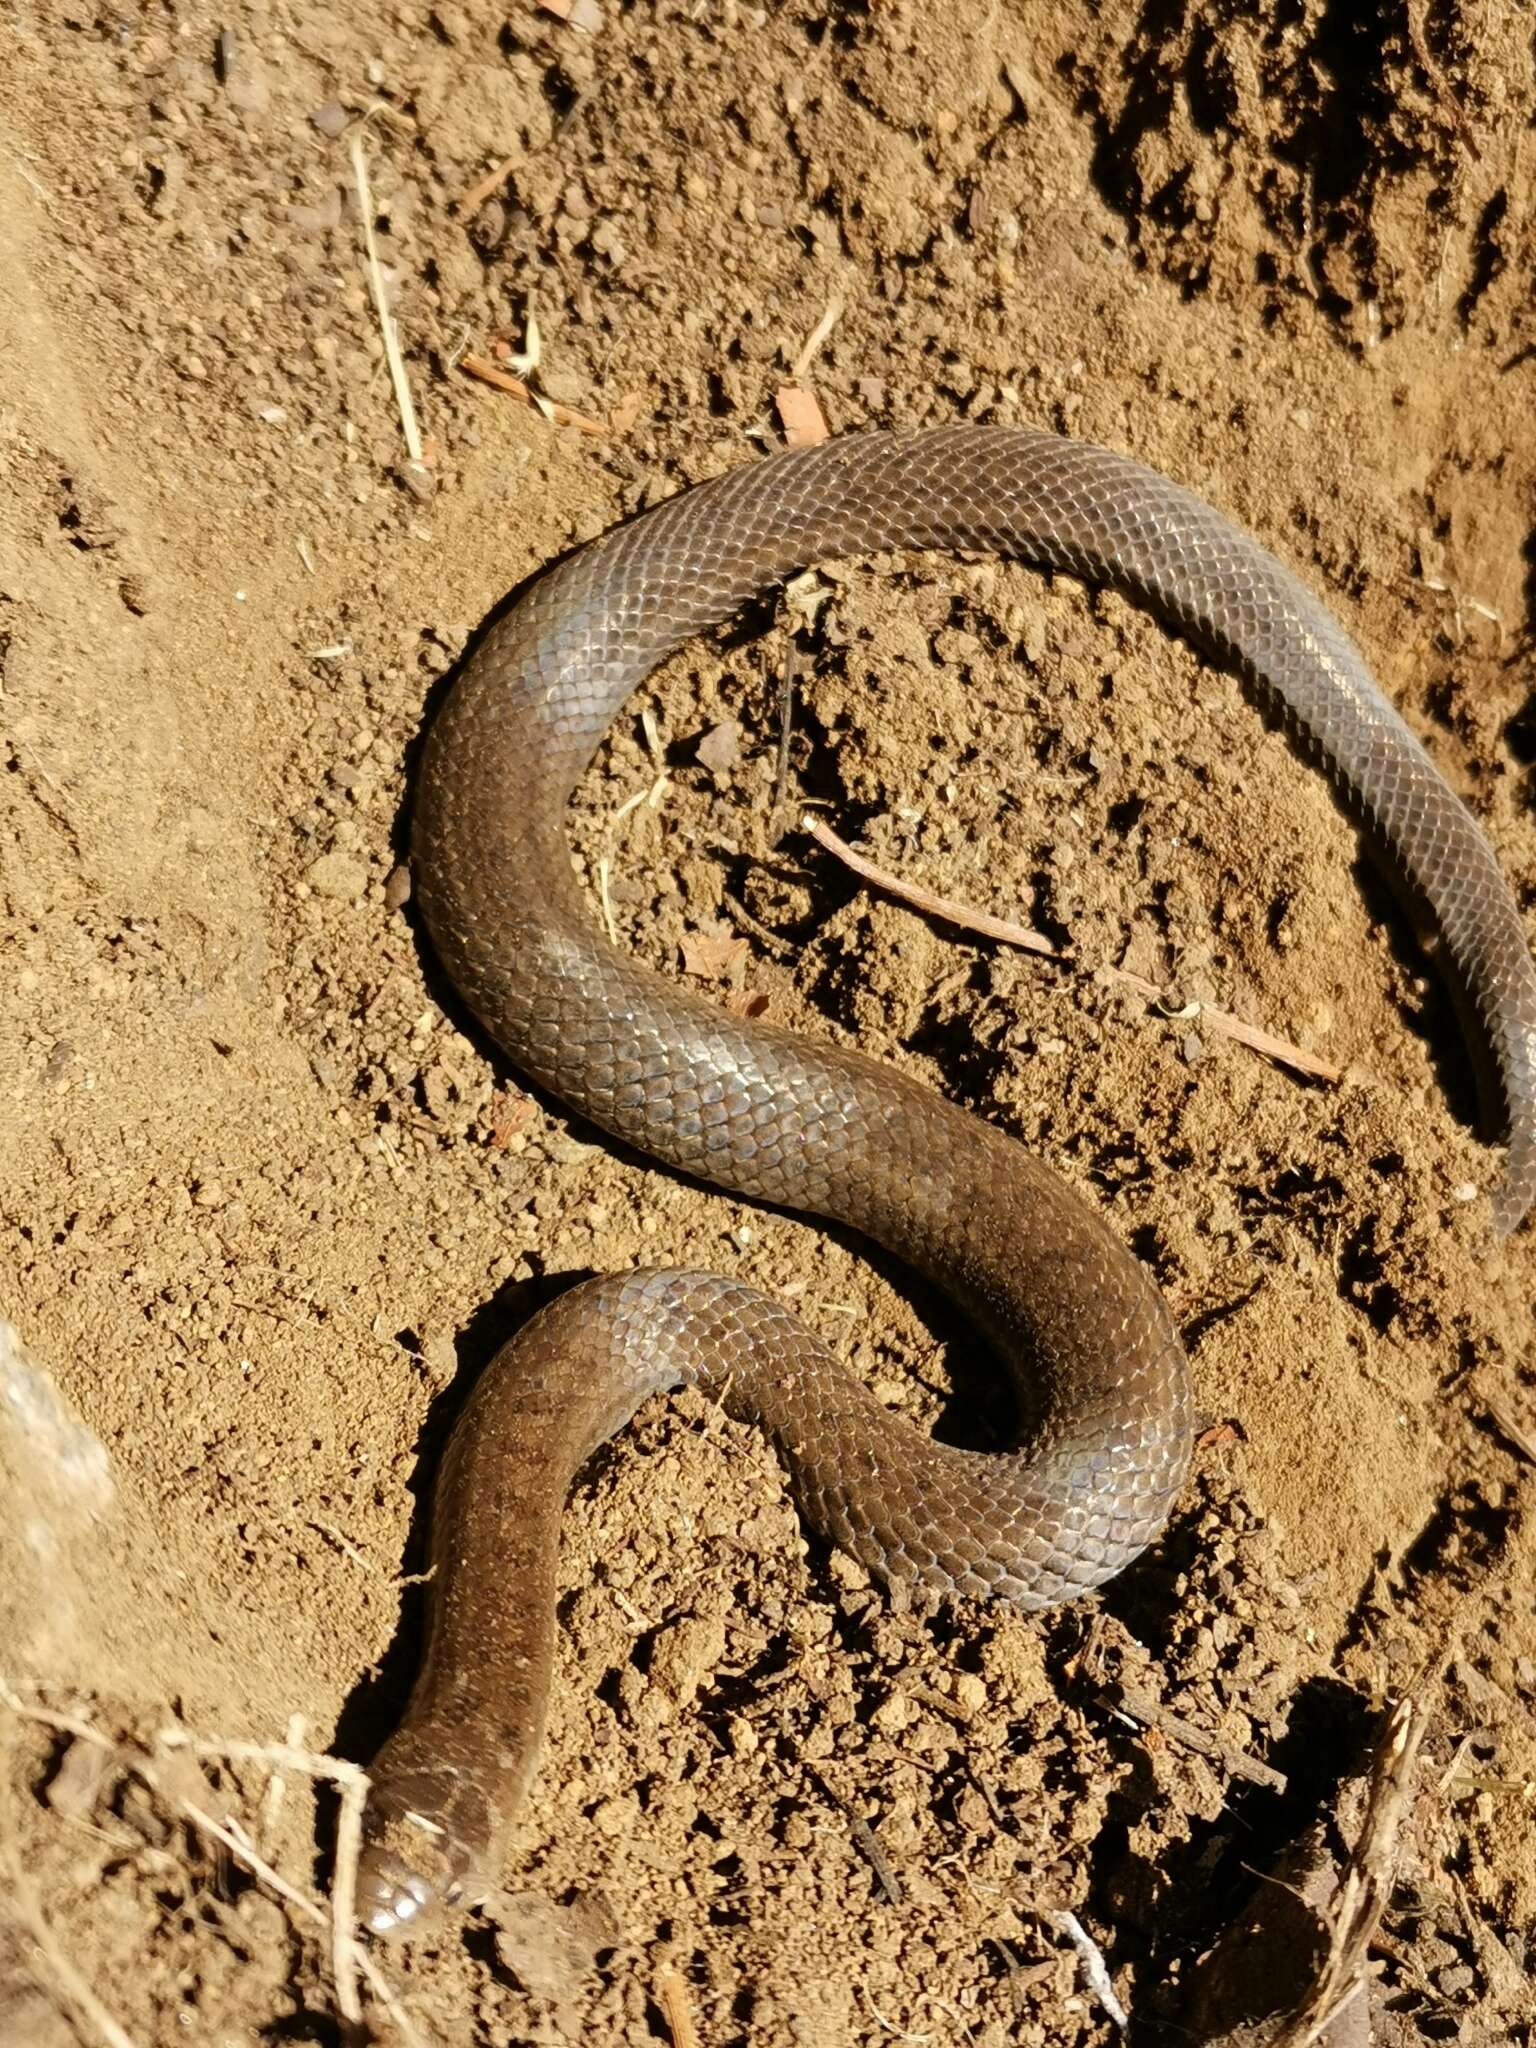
(392, 1898)
(422, 1830)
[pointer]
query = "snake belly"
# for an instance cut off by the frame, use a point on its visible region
(1099, 1371)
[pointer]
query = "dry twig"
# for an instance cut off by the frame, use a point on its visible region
(1151, 1713)
(786, 729)
(503, 380)
(1010, 934)
(156, 1768)
(817, 336)
(351, 1782)
(672, 1996)
(1513, 1431)
(1366, 1883)
(1095, 1969)
(473, 197)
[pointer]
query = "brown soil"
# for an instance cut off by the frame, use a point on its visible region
(267, 1206)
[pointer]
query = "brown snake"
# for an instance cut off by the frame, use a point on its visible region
(1100, 1371)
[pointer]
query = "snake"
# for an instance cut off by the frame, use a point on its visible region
(1097, 1365)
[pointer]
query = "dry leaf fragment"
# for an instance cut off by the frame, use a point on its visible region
(714, 953)
(801, 417)
(583, 14)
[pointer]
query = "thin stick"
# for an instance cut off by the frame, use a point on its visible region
(1009, 934)
(1512, 1430)
(277, 1784)
(867, 1842)
(376, 285)
(672, 1996)
(1094, 1967)
(347, 1957)
(1366, 1884)
(1142, 1707)
(503, 380)
(235, 1842)
(351, 1780)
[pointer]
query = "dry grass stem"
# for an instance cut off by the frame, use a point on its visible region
(156, 1768)
(814, 340)
(387, 329)
(1009, 934)
(351, 1781)
(1151, 1713)
(1513, 1431)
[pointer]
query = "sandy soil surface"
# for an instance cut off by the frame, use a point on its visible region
(266, 1206)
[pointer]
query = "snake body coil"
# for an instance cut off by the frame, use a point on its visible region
(1101, 1376)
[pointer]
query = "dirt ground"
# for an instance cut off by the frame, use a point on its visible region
(266, 1206)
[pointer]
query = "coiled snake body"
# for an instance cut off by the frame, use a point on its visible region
(1101, 1374)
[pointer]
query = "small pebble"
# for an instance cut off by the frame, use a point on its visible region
(330, 119)
(720, 746)
(420, 481)
(337, 876)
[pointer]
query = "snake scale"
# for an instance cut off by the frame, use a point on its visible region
(1101, 1378)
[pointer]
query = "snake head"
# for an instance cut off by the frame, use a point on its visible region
(426, 1836)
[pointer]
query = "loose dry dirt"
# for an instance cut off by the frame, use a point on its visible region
(267, 1205)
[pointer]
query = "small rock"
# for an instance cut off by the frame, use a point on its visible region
(397, 890)
(550, 1947)
(420, 481)
(618, 1816)
(720, 746)
(246, 85)
(892, 1715)
(77, 1783)
(440, 1360)
(330, 119)
(338, 876)
(685, 1654)
(59, 1063)
(741, 1735)
(970, 1692)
